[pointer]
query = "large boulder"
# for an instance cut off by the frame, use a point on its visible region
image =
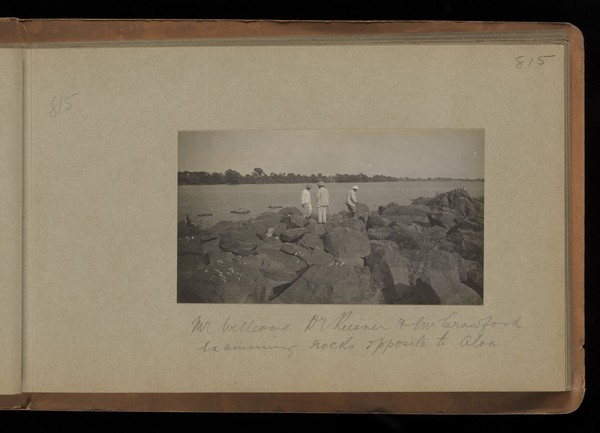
(190, 245)
(269, 219)
(185, 229)
(389, 272)
(347, 242)
(439, 271)
(279, 229)
(290, 210)
(358, 224)
(280, 270)
(380, 233)
(376, 221)
(316, 228)
(406, 214)
(240, 242)
(474, 276)
(311, 241)
(421, 201)
(316, 257)
(187, 265)
(292, 235)
(441, 219)
(223, 282)
(330, 284)
(213, 251)
(362, 211)
(351, 260)
(407, 237)
(388, 244)
(467, 244)
(293, 221)
(222, 226)
(273, 245)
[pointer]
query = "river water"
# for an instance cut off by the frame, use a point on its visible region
(220, 200)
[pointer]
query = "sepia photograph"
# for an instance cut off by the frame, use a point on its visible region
(331, 216)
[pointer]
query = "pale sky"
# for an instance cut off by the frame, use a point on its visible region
(456, 153)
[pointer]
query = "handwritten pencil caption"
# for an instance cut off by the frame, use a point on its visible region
(348, 332)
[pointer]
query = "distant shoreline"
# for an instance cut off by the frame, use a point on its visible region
(333, 182)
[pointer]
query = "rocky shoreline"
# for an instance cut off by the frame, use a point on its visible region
(429, 252)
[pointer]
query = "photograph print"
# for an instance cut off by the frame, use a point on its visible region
(389, 216)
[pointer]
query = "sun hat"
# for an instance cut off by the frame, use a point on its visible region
(321, 183)
(355, 187)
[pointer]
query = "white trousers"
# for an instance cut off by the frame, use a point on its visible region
(307, 208)
(323, 214)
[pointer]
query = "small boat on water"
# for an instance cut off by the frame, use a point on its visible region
(275, 207)
(204, 214)
(240, 210)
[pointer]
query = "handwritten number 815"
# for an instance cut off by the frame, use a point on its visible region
(61, 105)
(528, 61)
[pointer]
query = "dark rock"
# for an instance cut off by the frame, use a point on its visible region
(316, 257)
(279, 229)
(435, 219)
(407, 237)
(330, 284)
(406, 211)
(407, 214)
(269, 246)
(225, 282)
(353, 224)
(347, 242)
(376, 221)
(439, 270)
(292, 235)
(464, 206)
(311, 241)
(433, 233)
(460, 202)
(320, 257)
(190, 245)
(269, 219)
(223, 226)
(381, 233)
(315, 228)
(351, 261)
(280, 270)
(188, 265)
(421, 201)
(474, 276)
(290, 210)
(287, 262)
(389, 272)
(259, 229)
(387, 244)
(240, 242)
(362, 211)
(468, 244)
(184, 229)
(392, 204)
(213, 251)
(294, 250)
(294, 221)
(419, 294)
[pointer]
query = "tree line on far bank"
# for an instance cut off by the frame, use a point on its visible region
(258, 176)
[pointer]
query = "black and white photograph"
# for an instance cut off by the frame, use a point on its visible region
(331, 216)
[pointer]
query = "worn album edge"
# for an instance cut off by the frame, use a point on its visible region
(26, 33)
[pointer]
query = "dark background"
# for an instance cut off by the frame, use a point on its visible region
(582, 13)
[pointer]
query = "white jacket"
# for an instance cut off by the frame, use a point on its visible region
(305, 198)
